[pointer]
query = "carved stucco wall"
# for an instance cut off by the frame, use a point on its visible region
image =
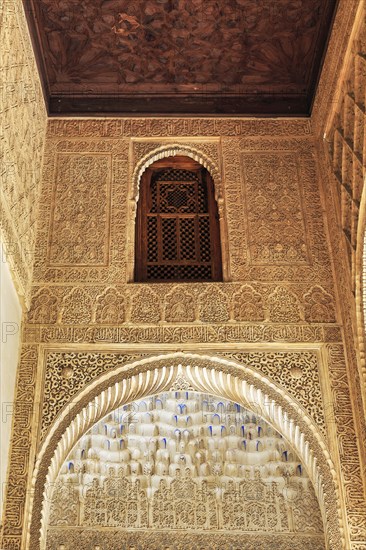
(269, 202)
(278, 293)
(328, 88)
(280, 308)
(123, 381)
(342, 157)
(345, 144)
(10, 319)
(23, 125)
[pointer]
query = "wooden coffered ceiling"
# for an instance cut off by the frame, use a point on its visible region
(180, 57)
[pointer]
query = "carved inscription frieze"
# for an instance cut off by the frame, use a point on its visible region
(347, 443)
(23, 421)
(167, 127)
(151, 540)
(184, 334)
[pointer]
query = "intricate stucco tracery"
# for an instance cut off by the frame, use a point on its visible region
(146, 153)
(206, 375)
(23, 134)
(91, 332)
(184, 460)
(295, 372)
(142, 304)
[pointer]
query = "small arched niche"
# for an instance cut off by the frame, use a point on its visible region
(177, 234)
(183, 461)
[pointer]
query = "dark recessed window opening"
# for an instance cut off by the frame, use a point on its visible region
(177, 225)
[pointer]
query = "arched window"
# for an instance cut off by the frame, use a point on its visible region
(177, 225)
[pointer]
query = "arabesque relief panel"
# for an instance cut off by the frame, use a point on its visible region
(22, 108)
(82, 224)
(275, 219)
(263, 241)
(297, 372)
(82, 186)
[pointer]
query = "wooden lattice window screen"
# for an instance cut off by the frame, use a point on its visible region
(177, 231)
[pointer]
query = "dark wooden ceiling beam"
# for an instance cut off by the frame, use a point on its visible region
(178, 105)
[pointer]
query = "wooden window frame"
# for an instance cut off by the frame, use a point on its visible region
(141, 238)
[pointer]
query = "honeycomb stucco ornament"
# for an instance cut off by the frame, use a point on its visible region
(204, 374)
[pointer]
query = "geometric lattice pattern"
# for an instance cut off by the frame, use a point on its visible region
(179, 273)
(178, 219)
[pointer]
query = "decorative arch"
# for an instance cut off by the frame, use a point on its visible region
(172, 150)
(216, 376)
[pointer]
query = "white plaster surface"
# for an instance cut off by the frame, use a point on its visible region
(10, 319)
